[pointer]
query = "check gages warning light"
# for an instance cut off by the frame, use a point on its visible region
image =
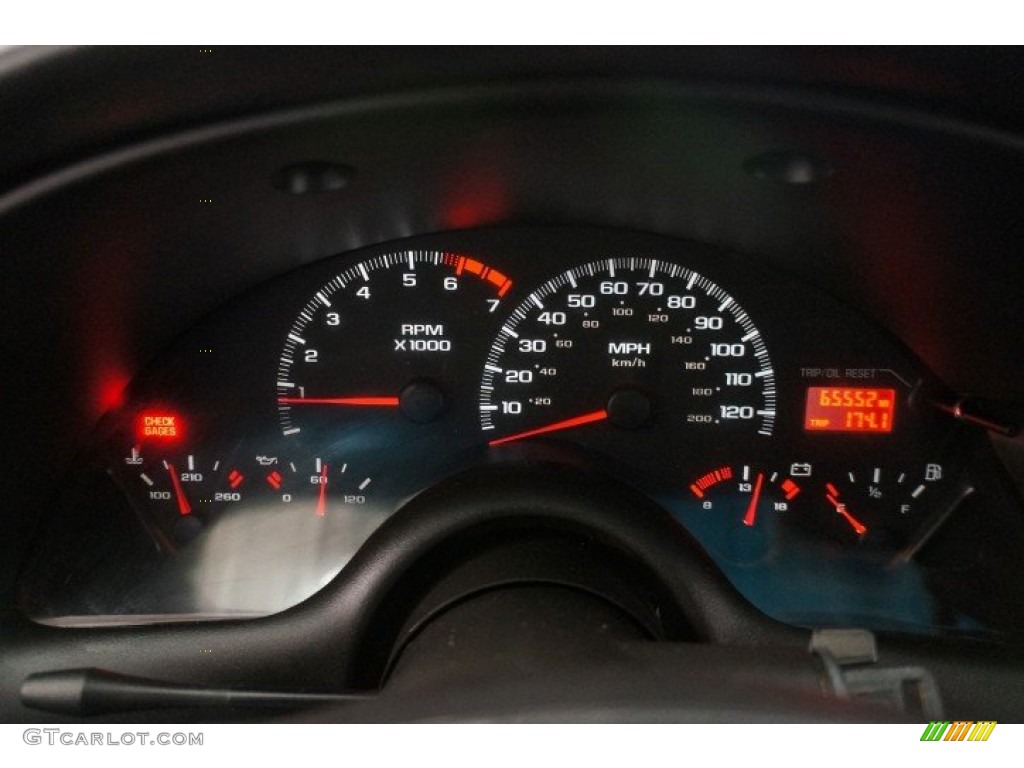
(159, 426)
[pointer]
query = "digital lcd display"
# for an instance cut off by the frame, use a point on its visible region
(849, 409)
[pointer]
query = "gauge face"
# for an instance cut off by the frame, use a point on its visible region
(384, 342)
(743, 509)
(878, 507)
(628, 344)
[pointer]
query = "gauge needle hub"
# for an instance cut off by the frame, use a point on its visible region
(751, 517)
(576, 421)
(183, 506)
(388, 402)
(842, 510)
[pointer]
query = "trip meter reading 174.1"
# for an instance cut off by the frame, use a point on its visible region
(623, 344)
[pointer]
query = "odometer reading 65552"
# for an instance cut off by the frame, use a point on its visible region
(627, 343)
(849, 409)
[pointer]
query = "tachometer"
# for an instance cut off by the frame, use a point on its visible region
(384, 342)
(623, 344)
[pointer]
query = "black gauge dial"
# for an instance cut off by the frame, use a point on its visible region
(627, 344)
(385, 342)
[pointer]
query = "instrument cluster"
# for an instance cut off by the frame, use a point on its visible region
(791, 437)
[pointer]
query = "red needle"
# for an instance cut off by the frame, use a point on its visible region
(321, 504)
(841, 509)
(576, 421)
(379, 401)
(751, 515)
(183, 506)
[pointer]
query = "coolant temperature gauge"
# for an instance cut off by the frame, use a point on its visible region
(181, 491)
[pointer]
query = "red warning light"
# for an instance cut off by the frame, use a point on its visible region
(159, 425)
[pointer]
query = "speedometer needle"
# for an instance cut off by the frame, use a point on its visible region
(183, 506)
(751, 515)
(377, 401)
(576, 421)
(841, 509)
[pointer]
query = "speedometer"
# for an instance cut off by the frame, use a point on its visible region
(628, 343)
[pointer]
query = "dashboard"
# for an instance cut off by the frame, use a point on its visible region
(798, 444)
(637, 364)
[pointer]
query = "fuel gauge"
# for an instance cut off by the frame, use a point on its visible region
(878, 506)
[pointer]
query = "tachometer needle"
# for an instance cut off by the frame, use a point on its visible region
(751, 517)
(841, 509)
(391, 402)
(321, 503)
(576, 421)
(183, 506)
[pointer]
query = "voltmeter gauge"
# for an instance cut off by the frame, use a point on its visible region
(752, 502)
